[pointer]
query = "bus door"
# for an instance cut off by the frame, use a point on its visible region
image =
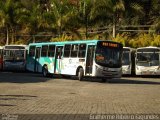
(37, 57)
(58, 57)
(89, 59)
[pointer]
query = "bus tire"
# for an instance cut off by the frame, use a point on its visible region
(80, 74)
(103, 80)
(45, 71)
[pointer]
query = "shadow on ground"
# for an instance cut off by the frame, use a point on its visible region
(13, 77)
(126, 81)
(117, 81)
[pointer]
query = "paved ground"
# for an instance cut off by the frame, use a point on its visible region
(28, 93)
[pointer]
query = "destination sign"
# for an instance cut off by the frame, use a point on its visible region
(107, 44)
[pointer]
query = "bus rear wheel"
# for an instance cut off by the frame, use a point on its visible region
(45, 71)
(80, 74)
(103, 80)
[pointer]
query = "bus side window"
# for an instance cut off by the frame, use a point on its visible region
(32, 51)
(51, 51)
(44, 52)
(74, 50)
(82, 50)
(67, 49)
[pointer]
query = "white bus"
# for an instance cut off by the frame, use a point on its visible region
(78, 58)
(148, 61)
(128, 61)
(14, 57)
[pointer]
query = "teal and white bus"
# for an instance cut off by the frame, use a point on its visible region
(94, 58)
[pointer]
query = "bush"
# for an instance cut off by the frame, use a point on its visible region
(141, 40)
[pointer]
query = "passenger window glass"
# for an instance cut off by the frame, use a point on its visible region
(51, 51)
(82, 50)
(44, 52)
(74, 50)
(67, 50)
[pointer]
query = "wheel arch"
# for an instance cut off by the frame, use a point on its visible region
(44, 65)
(78, 69)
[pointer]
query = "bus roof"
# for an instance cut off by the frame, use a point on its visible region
(71, 42)
(15, 47)
(153, 47)
(1, 47)
(129, 48)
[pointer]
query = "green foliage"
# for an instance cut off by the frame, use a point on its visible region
(63, 37)
(156, 40)
(144, 40)
(122, 38)
(82, 19)
(141, 40)
(19, 42)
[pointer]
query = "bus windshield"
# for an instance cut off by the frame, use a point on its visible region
(148, 57)
(108, 54)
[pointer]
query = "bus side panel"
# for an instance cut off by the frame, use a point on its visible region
(30, 64)
(49, 61)
(70, 65)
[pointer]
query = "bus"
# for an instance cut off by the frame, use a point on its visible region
(128, 61)
(148, 61)
(14, 57)
(94, 58)
(1, 57)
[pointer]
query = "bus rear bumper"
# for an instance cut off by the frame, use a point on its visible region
(14, 68)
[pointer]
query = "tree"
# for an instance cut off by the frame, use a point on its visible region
(34, 19)
(154, 15)
(7, 16)
(111, 11)
(58, 10)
